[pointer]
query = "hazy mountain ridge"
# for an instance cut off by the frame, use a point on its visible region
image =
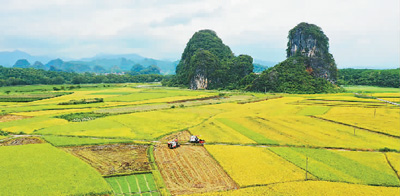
(101, 62)
(108, 62)
(8, 58)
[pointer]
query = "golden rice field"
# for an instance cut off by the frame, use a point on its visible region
(381, 119)
(267, 144)
(255, 166)
(316, 188)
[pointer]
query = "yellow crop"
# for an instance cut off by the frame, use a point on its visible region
(279, 121)
(143, 125)
(31, 124)
(253, 165)
(383, 95)
(310, 188)
(215, 131)
(50, 112)
(382, 119)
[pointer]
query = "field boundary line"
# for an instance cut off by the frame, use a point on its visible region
(126, 174)
(147, 184)
(390, 164)
(236, 184)
(365, 129)
(129, 186)
(120, 188)
(137, 184)
(273, 183)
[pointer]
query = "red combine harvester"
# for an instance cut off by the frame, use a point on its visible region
(173, 144)
(195, 139)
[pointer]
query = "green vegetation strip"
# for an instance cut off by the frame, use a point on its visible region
(260, 139)
(29, 97)
(82, 116)
(332, 166)
(82, 101)
(133, 184)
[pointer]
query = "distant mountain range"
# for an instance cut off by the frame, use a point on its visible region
(8, 59)
(99, 63)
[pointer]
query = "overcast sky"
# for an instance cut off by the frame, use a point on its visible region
(362, 33)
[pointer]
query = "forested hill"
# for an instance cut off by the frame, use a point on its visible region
(207, 63)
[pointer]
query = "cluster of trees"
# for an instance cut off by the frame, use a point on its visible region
(291, 76)
(138, 69)
(370, 77)
(28, 76)
(208, 63)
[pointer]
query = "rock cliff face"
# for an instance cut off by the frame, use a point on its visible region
(308, 40)
(199, 81)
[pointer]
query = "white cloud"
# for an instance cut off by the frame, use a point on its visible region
(357, 29)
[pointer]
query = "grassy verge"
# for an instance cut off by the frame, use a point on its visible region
(156, 173)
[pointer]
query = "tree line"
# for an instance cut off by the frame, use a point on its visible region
(370, 77)
(29, 76)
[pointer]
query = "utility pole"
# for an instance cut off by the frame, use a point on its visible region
(306, 167)
(374, 112)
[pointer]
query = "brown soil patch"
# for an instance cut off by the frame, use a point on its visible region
(9, 117)
(22, 141)
(113, 158)
(183, 137)
(190, 169)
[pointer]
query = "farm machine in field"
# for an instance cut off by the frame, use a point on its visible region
(173, 144)
(195, 139)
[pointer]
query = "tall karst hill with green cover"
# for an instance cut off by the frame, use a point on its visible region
(309, 67)
(207, 63)
(310, 41)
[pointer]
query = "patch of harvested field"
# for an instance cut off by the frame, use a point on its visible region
(9, 117)
(113, 158)
(22, 141)
(190, 169)
(183, 136)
